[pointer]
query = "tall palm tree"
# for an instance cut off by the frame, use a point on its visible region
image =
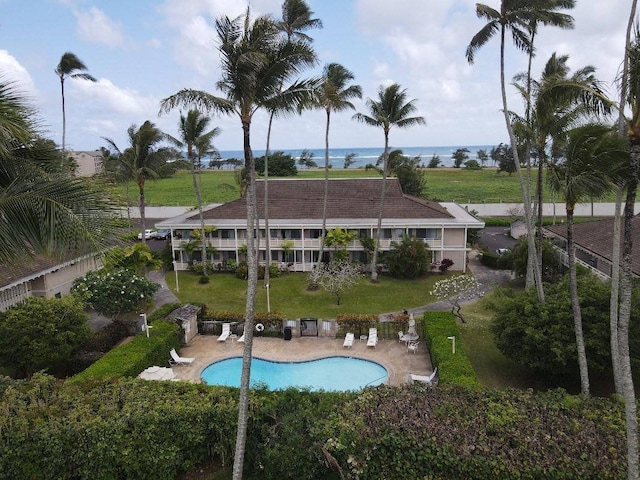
(589, 149)
(296, 19)
(256, 62)
(390, 109)
(142, 158)
(43, 210)
(333, 94)
(632, 99)
(70, 66)
(197, 140)
(516, 16)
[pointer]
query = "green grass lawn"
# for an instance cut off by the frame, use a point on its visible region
(443, 184)
(494, 370)
(289, 295)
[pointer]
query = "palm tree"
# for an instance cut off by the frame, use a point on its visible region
(70, 66)
(516, 16)
(43, 210)
(632, 99)
(296, 19)
(333, 94)
(142, 157)
(256, 62)
(588, 150)
(198, 142)
(390, 109)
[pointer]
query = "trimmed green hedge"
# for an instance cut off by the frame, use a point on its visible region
(129, 359)
(452, 368)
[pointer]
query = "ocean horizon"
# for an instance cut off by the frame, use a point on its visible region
(368, 155)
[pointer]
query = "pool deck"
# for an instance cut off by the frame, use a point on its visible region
(391, 354)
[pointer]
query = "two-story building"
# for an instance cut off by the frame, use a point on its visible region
(295, 209)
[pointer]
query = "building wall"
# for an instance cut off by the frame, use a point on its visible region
(88, 164)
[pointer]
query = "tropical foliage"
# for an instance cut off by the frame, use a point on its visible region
(41, 333)
(114, 292)
(408, 258)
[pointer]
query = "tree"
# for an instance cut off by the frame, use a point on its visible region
(198, 142)
(43, 210)
(70, 66)
(579, 177)
(455, 290)
(460, 156)
(280, 165)
(306, 159)
(349, 158)
(632, 99)
(550, 260)
(114, 291)
(339, 239)
(542, 336)
(337, 276)
(516, 16)
(434, 162)
(142, 158)
(136, 258)
(503, 154)
(408, 259)
(482, 156)
(256, 62)
(333, 94)
(392, 108)
(40, 333)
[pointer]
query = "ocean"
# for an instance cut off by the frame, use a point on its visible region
(366, 156)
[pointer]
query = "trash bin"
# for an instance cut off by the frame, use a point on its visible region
(287, 333)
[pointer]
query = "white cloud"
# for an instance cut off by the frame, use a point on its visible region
(104, 94)
(95, 26)
(11, 70)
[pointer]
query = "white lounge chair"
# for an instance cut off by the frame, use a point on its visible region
(372, 341)
(348, 340)
(226, 331)
(400, 335)
(178, 360)
(241, 338)
(428, 379)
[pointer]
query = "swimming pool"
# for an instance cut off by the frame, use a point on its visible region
(337, 374)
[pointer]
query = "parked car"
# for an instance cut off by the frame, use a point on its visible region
(502, 251)
(161, 234)
(147, 234)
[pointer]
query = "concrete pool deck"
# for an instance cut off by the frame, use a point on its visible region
(391, 354)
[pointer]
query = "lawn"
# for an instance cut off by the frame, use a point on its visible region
(289, 295)
(494, 370)
(443, 184)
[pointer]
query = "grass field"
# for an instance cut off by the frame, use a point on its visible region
(289, 295)
(443, 184)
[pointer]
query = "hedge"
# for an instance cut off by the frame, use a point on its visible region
(139, 429)
(129, 359)
(452, 368)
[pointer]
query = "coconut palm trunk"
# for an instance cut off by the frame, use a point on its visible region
(575, 304)
(325, 197)
(385, 161)
(615, 292)
(252, 282)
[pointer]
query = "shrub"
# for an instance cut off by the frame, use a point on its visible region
(445, 264)
(114, 292)
(452, 368)
(408, 259)
(129, 359)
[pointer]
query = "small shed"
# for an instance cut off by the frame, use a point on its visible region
(187, 317)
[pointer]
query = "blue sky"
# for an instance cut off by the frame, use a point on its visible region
(142, 51)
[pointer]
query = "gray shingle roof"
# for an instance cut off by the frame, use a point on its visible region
(597, 237)
(347, 198)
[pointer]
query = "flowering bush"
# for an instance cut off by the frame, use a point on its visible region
(114, 292)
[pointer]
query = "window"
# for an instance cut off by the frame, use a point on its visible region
(227, 234)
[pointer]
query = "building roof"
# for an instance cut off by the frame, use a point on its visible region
(347, 199)
(597, 238)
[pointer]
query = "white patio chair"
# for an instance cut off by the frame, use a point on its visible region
(428, 379)
(178, 360)
(226, 331)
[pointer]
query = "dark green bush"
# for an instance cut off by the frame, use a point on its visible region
(129, 359)
(452, 368)
(493, 260)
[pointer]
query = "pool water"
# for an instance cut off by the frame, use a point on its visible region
(337, 374)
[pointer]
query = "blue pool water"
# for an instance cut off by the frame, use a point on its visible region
(336, 374)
